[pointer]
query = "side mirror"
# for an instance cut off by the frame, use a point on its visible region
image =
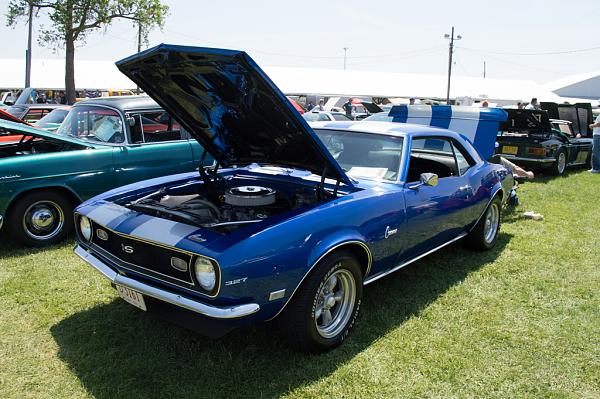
(427, 179)
(131, 121)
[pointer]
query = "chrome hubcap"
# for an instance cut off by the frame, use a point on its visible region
(562, 162)
(43, 220)
(335, 302)
(492, 219)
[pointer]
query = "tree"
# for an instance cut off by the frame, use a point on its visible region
(72, 20)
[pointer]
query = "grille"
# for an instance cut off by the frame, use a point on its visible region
(143, 257)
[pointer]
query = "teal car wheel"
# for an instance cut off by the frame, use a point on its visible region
(40, 218)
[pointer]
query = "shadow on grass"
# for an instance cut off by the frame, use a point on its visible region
(118, 351)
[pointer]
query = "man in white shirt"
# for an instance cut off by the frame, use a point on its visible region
(596, 148)
(533, 104)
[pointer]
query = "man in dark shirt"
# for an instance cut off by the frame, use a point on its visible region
(348, 108)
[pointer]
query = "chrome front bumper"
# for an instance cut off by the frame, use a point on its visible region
(166, 296)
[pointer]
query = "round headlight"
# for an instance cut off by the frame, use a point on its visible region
(205, 273)
(85, 227)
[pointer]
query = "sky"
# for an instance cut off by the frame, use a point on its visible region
(527, 39)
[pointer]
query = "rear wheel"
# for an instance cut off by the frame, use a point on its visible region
(324, 308)
(485, 233)
(560, 165)
(40, 218)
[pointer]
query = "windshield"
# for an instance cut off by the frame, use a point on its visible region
(364, 155)
(92, 123)
(53, 120)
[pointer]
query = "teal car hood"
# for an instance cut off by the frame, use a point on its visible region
(20, 129)
(231, 107)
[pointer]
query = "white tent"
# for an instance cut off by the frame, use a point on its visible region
(586, 85)
(389, 84)
(49, 74)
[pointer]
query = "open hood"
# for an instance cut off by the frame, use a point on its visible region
(231, 107)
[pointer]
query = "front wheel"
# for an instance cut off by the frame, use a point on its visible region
(324, 308)
(485, 233)
(40, 218)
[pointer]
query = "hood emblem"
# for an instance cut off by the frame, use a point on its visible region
(197, 238)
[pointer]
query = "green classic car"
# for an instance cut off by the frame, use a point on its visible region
(102, 144)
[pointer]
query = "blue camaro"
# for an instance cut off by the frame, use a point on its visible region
(291, 222)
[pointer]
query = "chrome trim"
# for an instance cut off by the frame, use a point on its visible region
(230, 312)
(369, 261)
(193, 255)
(400, 266)
(515, 158)
(1, 221)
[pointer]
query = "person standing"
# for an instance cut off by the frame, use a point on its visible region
(596, 145)
(533, 104)
(411, 101)
(348, 108)
(320, 107)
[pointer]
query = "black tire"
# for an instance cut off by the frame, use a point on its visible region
(298, 322)
(26, 218)
(481, 238)
(559, 166)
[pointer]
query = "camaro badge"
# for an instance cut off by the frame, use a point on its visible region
(390, 232)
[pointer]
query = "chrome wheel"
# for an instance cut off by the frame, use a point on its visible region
(492, 221)
(335, 303)
(43, 220)
(561, 163)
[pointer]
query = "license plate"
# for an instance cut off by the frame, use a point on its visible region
(510, 149)
(132, 297)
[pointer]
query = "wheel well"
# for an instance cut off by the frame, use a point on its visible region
(361, 252)
(57, 189)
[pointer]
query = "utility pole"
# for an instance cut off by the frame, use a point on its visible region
(450, 51)
(484, 69)
(345, 50)
(28, 51)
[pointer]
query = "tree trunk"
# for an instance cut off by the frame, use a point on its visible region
(70, 69)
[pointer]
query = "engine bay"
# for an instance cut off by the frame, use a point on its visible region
(228, 204)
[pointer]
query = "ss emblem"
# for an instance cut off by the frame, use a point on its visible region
(127, 248)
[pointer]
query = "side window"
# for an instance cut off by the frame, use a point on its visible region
(324, 117)
(463, 159)
(431, 155)
(94, 124)
(155, 127)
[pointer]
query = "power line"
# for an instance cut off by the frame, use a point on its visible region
(307, 56)
(531, 54)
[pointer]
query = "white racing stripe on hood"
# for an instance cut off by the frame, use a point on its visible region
(163, 231)
(106, 213)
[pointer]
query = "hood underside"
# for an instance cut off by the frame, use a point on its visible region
(231, 107)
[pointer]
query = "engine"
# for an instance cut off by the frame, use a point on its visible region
(226, 209)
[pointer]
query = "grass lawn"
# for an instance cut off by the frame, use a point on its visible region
(521, 321)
